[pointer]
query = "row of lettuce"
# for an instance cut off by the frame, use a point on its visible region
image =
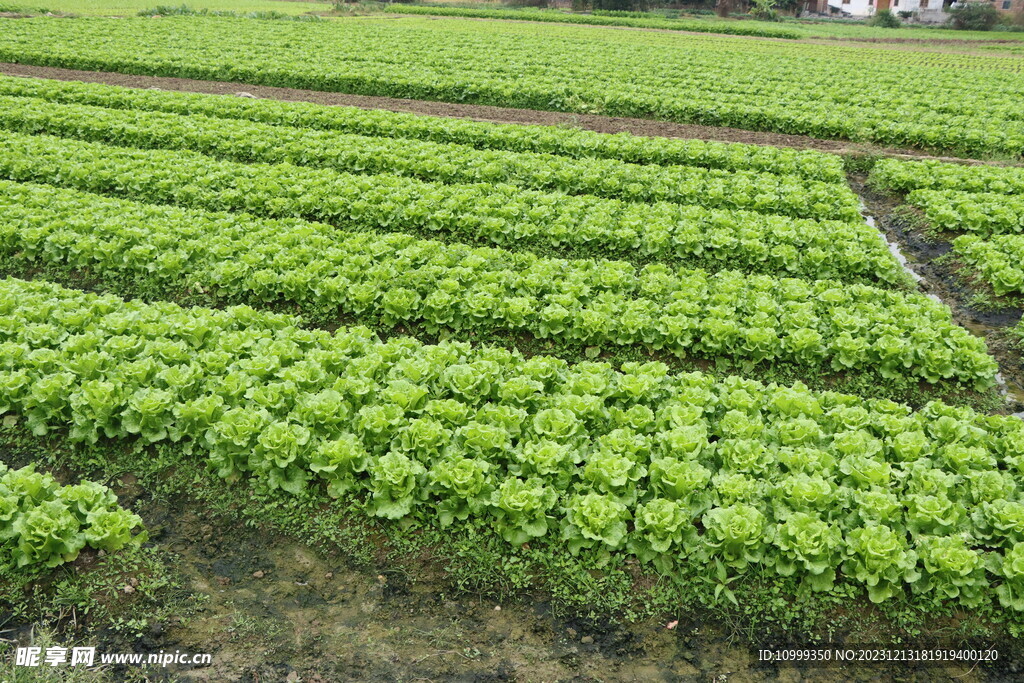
(479, 213)
(568, 142)
(821, 325)
(247, 141)
(841, 91)
(987, 202)
(44, 524)
(671, 468)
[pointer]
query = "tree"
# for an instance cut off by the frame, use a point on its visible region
(974, 16)
(764, 10)
(885, 19)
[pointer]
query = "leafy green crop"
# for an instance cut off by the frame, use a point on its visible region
(873, 94)
(986, 200)
(439, 163)
(44, 523)
(958, 198)
(999, 260)
(905, 176)
(479, 213)
(398, 278)
(984, 213)
(592, 19)
(567, 142)
(672, 468)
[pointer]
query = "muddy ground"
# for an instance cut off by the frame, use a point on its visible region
(273, 610)
(275, 607)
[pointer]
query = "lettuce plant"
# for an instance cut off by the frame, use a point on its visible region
(881, 560)
(546, 459)
(682, 480)
(463, 486)
(593, 520)
(726, 473)
(614, 475)
(45, 524)
(522, 508)
(663, 531)
(736, 535)
(395, 482)
(338, 462)
(811, 546)
(1011, 568)
(952, 570)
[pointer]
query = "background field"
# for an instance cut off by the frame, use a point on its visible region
(854, 91)
(133, 7)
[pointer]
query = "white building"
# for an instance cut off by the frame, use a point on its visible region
(853, 8)
(923, 10)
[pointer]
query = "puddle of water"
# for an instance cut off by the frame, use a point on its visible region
(1013, 395)
(894, 249)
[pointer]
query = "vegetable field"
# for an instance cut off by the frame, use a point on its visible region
(641, 377)
(445, 431)
(878, 95)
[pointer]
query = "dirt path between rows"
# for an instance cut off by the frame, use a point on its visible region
(600, 124)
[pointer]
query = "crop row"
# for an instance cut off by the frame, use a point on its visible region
(781, 86)
(672, 468)
(559, 17)
(44, 523)
(905, 176)
(982, 212)
(246, 141)
(999, 260)
(984, 200)
(958, 198)
(397, 278)
(494, 214)
(560, 141)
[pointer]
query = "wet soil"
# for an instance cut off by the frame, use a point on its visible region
(274, 610)
(275, 607)
(600, 124)
(944, 279)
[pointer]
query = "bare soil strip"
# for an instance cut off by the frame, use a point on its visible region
(915, 41)
(600, 124)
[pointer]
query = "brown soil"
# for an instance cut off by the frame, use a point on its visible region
(313, 615)
(600, 124)
(922, 41)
